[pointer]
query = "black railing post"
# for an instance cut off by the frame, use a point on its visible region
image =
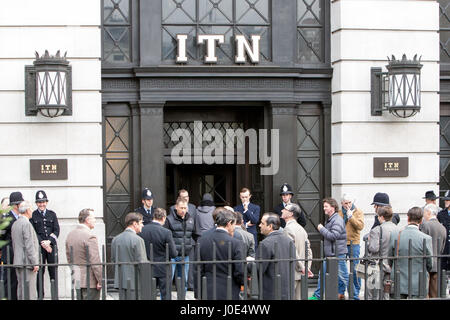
(214, 295)
(8, 270)
(56, 272)
(292, 262)
(438, 267)
(88, 275)
(332, 278)
(54, 292)
(204, 289)
(104, 275)
(322, 271)
(423, 278)
(183, 268)
(304, 280)
(72, 274)
(199, 279)
(254, 286)
(277, 279)
(229, 293)
(380, 266)
(169, 277)
(40, 279)
(365, 269)
(409, 269)
(150, 273)
(179, 290)
(350, 274)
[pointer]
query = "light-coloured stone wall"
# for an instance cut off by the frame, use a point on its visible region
(27, 26)
(363, 34)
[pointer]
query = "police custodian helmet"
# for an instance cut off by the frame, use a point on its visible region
(41, 196)
(286, 189)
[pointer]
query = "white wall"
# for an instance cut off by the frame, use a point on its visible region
(27, 26)
(363, 34)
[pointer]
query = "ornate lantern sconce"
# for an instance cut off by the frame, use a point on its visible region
(398, 90)
(48, 86)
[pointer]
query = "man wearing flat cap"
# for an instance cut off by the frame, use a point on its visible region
(382, 200)
(430, 198)
(147, 206)
(286, 195)
(46, 225)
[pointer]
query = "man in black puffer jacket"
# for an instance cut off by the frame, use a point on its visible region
(181, 224)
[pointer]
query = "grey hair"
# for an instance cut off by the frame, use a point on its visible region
(24, 206)
(347, 197)
(432, 208)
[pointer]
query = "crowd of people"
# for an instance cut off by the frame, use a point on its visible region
(208, 233)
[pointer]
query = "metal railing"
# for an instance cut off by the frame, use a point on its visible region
(253, 275)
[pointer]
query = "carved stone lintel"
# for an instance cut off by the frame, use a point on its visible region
(151, 108)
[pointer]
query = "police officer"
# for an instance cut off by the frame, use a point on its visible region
(147, 206)
(46, 225)
(286, 194)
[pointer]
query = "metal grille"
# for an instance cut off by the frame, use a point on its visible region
(444, 182)
(310, 31)
(117, 173)
(308, 165)
(227, 17)
(116, 31)
(170, 127)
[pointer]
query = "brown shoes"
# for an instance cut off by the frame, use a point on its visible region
(341, 297)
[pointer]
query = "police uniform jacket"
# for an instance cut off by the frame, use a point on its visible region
(46, 225)
(182, 231)
(147, 216)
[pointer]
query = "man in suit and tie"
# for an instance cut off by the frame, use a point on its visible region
(26, 252)
(250, 213)
(146, 210)
(128, 248)
(9, 273)
(45, 222)
(79, 243)
(400, 248)
(286, 194)
(220, 244)
(156, 239)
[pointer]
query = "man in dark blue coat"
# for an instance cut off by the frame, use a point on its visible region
(147, 206)
(250, 213)
(220, 244)
(46, 225)
(156, 239)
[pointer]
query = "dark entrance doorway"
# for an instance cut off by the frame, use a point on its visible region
(217, 180)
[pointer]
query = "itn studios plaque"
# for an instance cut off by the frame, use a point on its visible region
(390, 167)
(48, 169)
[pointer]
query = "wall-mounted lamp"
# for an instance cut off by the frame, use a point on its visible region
(398, 90)
(48, 86)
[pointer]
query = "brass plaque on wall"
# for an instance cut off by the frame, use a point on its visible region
(390, 167)
(48, 169)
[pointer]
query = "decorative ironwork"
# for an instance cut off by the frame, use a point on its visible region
(310, 31)
(116, 31)
(308, 165)
(117, 173)
(170, 127)
(227, 17)
(444, 181)
(444, 30)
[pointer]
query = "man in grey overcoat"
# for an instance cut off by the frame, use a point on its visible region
(26, 252)
(383, 231)
(432, 227)
(128, 247)
(403, 237)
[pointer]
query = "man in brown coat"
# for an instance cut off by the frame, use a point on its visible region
(79, 242)
(354, 223)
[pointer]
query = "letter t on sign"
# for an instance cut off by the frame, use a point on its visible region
(210, 45)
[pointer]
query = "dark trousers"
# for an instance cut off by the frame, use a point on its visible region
(161, 283)
(82, 294)
(11, 279)
(46, 258)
